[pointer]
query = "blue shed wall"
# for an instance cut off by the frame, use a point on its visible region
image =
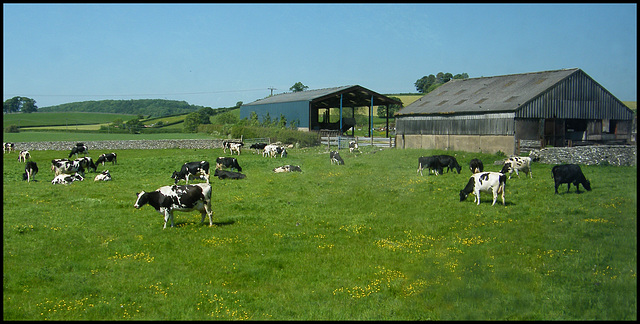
(292, 111)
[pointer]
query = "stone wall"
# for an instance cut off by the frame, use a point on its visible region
(588, 155)
(122, 145)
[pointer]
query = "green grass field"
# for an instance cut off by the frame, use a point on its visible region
(368, 240)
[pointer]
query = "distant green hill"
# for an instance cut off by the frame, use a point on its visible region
(145, 107)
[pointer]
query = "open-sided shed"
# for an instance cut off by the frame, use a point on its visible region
(511, 113)
(311, 108)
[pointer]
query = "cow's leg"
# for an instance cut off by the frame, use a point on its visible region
(477, 193)
(577, 184)
(568, 186)
(502, 195)
(167, 215)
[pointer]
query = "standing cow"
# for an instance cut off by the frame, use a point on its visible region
(336, 158)
(430, 162)
(30, 170)
(570, 173)
(493, 182)
(195, 169)
(185, 198)
(79, 149)
(476, 166)
(107, 157)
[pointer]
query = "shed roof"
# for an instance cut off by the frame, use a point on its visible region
(503, 93)
(352, 96)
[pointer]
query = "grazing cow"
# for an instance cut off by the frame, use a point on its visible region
(335, 158)
(87, 163)
(224, 162)
(485, 181)
(64, 166)
(196, 169)
(431, 162)
(104, 176)
(224, 174)
(450, 162)
(353, 146)
(517, 163)
(476, 166)
(107, 157)
(235, 147)
(8, 147)
(258, 146)
(570, 173)
(287, 168)
(23, 156)
(30, 170)
(66, 178)
(227, 145)
(185, 198)
(79, 149)
(272, 150)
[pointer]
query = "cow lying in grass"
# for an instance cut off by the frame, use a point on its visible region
(104, 176)
(224, 174)
(493, 182)
(67, 178)
(287, 168)
(185, 198)
(570, 173)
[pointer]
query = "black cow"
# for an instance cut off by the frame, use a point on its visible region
(107, 157)
(476, 166)
(431, 162)
(227, 162)
(30, 170)
(186, 198)
(199, 169)
(570, 173)
(450, 162)
(223, 174)
(335, 158)
(258, 146)
(79, 149)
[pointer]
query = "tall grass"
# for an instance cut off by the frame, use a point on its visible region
(368, 240)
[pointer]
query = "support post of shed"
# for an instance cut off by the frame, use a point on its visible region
(340, 131)
(371, 120)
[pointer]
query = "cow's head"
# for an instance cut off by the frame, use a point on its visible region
(505, 168)
(463, 195)
(587, 185)
(141, 200)
(175, 176)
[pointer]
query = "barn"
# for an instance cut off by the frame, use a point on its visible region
(515, 113)
(321, 109)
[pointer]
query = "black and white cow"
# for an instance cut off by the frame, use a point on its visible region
(570, 173)
(185, 198)
(258, 146)
(517, 163)
(287, 168)
(79, 149)
(235, 147)
(8, 147)
(87, 163)
(64, 166)
(227, 145)
(335, 158)
(30, 170)
(476, 166)
(493, 182)
(430, 162)
(107, 157)
(224, 162)
(195, 169)
(67, 178)
(224, 174)
(23, 156)
(450, 162)
(273, 150)
(353, 146)
(104, 176)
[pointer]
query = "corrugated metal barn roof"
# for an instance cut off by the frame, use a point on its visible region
(487, 94)
(353, 96)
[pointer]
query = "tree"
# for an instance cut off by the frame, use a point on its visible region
(238, 104)
(15, 104)
(191, 122)
(227, 118)
(429, 83)
(298, 86)
(253, 119)
(134, 125)
(382, 110)
(282, 123)
(266, 120)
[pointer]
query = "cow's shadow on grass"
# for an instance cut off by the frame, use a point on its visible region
(206, 223)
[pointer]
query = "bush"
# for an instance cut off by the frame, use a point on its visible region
(12, 129)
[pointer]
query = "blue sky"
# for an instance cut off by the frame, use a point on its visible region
(215, 55)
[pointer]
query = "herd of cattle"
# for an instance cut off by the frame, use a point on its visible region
(188, 197)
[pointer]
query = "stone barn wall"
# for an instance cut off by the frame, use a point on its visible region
(619, 155)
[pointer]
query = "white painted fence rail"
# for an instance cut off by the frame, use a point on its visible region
(342, 142)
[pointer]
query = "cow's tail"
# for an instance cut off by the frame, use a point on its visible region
(502, 181)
